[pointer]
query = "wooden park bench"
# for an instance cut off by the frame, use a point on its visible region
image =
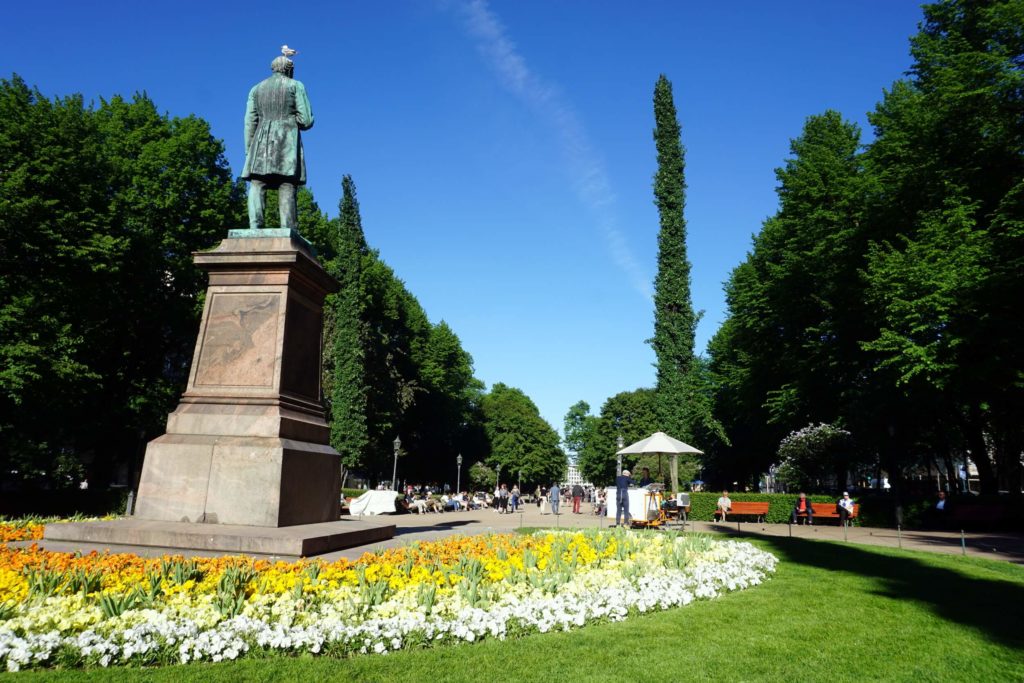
(758, 510)
(829, 511)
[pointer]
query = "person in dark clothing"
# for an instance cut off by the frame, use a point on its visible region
(622, 484)
(577, 498)
(802, 508)
(645, 477)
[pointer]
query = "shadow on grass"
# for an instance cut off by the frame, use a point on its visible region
(991, 606)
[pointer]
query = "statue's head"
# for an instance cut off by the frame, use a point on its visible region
(283, 65)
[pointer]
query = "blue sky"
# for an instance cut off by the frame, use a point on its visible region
(502, 150)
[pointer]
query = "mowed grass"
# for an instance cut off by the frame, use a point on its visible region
(832, 612)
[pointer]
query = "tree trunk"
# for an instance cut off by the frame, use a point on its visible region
(974, 430)
(890, 461)
(952, 475)
(1009, 460)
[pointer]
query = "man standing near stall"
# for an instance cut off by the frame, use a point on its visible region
(622, 484)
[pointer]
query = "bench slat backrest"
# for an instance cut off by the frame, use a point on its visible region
(749, 508)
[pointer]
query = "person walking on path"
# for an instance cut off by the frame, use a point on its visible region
(556, 497)
(503, 499)
(622, 484)
(577, 498)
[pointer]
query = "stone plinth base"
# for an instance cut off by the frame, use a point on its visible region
(304, 540)
(251, 481)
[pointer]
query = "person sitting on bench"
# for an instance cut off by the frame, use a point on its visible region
(845, 508)
(802, 508)
(723, 506)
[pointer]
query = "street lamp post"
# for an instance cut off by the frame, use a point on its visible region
(618, 456)
(394, 470)
(458, 477)
(497, 479)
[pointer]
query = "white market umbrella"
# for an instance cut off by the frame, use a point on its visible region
(660, 443)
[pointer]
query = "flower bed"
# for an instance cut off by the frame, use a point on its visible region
(57, 609)
(21, 531)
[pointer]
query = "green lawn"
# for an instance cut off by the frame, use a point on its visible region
(832, 612)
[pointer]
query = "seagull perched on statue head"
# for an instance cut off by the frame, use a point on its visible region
(287, 51)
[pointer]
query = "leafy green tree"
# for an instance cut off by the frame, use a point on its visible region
(447, 411)
(482, 477)
(630, 414)
(884, 294)
(808, 257)
(675, 322)
(789, 352)
(520, 439)
(579, 425)
(100, 211)
(948, 159)
(397, 331)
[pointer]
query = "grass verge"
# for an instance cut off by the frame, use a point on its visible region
(832, 612)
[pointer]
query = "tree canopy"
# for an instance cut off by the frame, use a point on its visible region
(521, 441)
(101, 208)
(884, 296)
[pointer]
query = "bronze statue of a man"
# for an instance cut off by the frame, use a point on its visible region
(277, 110)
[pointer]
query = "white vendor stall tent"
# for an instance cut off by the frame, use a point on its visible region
(373, 503)
(642, 505)
(662, 443)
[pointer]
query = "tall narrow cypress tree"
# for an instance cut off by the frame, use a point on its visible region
(345, 335)
(674, 319)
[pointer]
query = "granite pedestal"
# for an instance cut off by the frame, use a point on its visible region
(248, 445)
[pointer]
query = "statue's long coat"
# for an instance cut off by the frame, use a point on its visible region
(277, 110)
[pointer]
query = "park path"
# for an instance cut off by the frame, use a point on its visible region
(435, 526)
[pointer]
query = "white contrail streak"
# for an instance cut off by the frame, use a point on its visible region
(586, 166)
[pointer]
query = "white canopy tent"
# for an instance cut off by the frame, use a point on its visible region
(662, 443)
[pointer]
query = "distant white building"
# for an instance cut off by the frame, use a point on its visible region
(573, 476)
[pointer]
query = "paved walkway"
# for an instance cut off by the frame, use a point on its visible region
(433, 526)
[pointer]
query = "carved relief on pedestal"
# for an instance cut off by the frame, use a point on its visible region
(239, 346)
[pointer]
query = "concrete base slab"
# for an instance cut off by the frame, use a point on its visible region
(304, 540)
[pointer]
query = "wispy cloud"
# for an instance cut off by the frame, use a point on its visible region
(586, 166)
